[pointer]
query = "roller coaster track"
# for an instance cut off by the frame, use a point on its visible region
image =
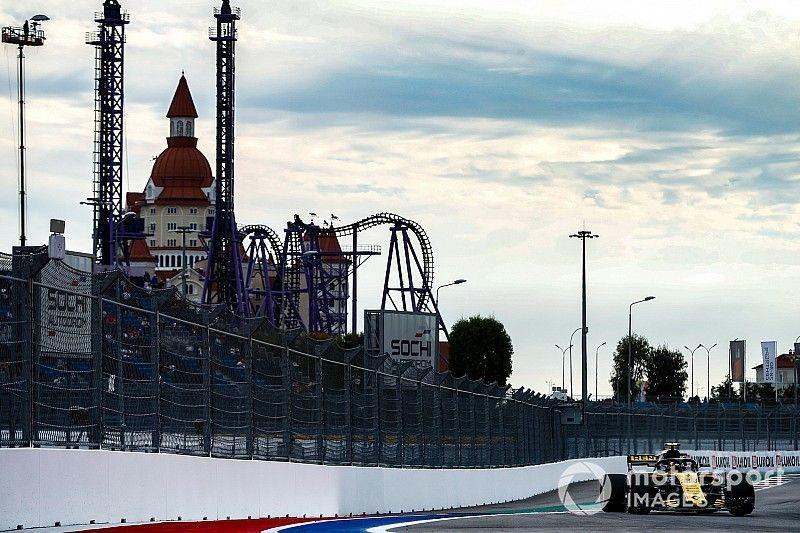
(258, 230)
(381, 219)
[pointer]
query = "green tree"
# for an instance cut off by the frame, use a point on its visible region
(727, 392)
(666, 373)
(350, 340)
(640, 349)
(481, 348)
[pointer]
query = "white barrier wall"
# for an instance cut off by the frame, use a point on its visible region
(39, 487)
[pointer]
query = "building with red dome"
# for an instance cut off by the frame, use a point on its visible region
(179, 194)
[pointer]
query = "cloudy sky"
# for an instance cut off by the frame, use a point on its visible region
(502, 127)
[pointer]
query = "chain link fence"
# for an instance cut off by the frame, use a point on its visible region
(96, 361)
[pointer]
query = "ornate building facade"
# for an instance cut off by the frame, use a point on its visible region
(179, 194)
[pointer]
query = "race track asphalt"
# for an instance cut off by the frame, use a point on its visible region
(777, 509)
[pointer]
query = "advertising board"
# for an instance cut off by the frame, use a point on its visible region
(403, 336)
(769, 350)
(64, 311)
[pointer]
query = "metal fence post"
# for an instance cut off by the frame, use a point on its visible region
(30, 355)
(348, 412)
(207, 361)
(438, 433)
(251, 430)
(156, 360)
(320, 397)
(286, 380)
(97, 371)
(379, 404)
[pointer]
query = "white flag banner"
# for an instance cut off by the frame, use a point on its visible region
(769, 350)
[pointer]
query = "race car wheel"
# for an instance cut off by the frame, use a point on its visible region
(639, 496)
(741, 498)
(613, 492)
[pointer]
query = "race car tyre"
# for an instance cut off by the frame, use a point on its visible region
(639, 495)
(741, 498)
(613, 492)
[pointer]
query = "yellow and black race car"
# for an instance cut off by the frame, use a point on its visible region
(671, 481)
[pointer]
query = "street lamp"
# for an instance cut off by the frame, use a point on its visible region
(183, 230)
(563, 351)
(456, 282)
(571, 390)
(583, 235)
(708, 371)
(698, 347)
(630, 342)
(595, 370)
(28, 35)
(794, 361)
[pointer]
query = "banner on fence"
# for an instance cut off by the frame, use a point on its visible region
(769, 349)
(737, 361)
(64, 310)
(403, 336)
(788, 461)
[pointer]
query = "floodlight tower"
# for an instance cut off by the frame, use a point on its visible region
(27, 35)
(109, 42)
(224, 282)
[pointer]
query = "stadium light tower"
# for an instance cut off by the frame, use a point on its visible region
(583, 235)
(28, 35)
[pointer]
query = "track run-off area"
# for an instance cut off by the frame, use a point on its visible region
(777, 509)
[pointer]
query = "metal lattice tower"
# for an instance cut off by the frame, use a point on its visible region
(224, 282)
(109, 42)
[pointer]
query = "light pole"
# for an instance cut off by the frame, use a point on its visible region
(794, 364)
(583, 235)
(698, 347)
(183, 230)
(571, 390)
(708, 371)
(28, 35)
(630, 342)
(595, 370)
(456, 282)
(563, 352)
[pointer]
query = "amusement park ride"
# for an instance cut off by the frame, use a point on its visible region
(305, 280)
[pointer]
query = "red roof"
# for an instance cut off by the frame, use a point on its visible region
(783, 361)
(329, 244)
(183, 195)
(140, 253)
(182, 164)
(182, 104)
(132, 200)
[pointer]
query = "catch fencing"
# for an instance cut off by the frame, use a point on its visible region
(95, 361)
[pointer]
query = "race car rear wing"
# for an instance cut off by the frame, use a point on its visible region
(642, 460)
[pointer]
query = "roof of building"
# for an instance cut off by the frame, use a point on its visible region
(182, 162)
(177, 195)
(140, 253)
(331, 250)
(783, 361)
(133, 199)
(182, 104)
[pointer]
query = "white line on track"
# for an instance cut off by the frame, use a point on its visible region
(774, 481)
(391, 527)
